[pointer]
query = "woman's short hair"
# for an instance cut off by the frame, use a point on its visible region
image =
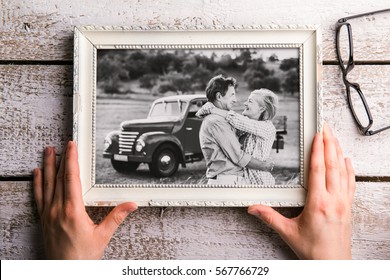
(270, 102)
(219, 84)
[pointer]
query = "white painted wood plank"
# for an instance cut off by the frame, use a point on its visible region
(21, 235)
(36, 112)
(36, 106)
(193, 233)
(370, 154)
(36, 31)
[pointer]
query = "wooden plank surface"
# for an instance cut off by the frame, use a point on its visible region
(33, 31)
(36, 106)
(369, 154)
(36, 111)
(193, 233)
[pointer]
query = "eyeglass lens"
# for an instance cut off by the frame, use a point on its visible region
(344, 44)
(358, 108)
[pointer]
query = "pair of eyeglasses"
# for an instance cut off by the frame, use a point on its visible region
(356, 100)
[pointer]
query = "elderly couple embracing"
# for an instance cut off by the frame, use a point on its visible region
(236, 147)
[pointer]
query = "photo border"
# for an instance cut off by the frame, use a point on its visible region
(88, 39)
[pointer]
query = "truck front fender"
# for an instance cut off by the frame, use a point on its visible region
(154, 139)
(111, 143)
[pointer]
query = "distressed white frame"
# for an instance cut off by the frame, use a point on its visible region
(87, 39)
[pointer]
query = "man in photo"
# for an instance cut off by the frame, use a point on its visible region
(225, 160)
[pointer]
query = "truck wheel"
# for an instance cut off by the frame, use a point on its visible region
(124, 167)
(165, 161)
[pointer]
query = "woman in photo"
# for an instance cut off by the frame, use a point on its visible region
(255, 129)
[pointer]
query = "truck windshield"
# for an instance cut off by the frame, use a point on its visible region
(172, 109)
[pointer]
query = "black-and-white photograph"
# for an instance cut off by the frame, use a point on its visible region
(198, 116)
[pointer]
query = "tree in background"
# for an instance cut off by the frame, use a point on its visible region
(259, 76)
(272, 83)
(244, 58)
(289, 63)
(177, 82)
(200, 77)
(220, 71)
(205, 62)
(227, 62)
(135, 64)
(186, 71)
(273, 58)
(163, 62)
(148, 81)
(108, 70)
(291, 82)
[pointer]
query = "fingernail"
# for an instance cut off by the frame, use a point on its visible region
(253, 212)
(48, 151)
(72, 144)
(325, 126)
(35, 172)
(132, 209)
(327, 129)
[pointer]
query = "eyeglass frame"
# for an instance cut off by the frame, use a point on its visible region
(365, 130)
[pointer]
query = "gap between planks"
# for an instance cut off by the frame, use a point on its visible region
(36, 62)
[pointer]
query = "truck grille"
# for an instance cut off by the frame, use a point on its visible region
(126, 141)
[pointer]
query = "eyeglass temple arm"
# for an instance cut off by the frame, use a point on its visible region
(372, 132)
(362, 15)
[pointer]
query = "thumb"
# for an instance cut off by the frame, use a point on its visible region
(110, 223)
(271, 217)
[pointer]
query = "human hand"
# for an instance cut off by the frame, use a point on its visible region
(68, 231)
(206, 109)
(268, 166)
(265, 166)
(323, 229)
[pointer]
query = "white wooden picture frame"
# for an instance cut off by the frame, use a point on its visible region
(102, 189)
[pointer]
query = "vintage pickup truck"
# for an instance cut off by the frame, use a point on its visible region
(169, 136)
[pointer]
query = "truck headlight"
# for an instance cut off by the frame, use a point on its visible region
(139, 145)
(107, 142)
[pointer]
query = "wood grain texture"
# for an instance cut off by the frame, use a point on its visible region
(193, 233)
(32, 31)
(36, 106)
(369, 154)
(36, 112)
